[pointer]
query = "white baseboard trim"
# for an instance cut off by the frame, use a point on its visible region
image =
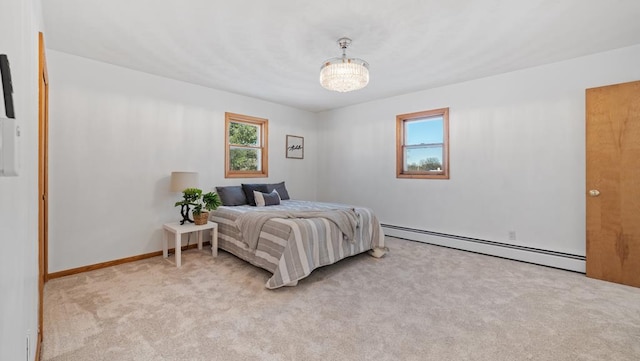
(554, 259)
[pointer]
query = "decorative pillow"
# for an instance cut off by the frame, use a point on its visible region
(266, 199)
(282, 190)
(232, 196)
(248, 191)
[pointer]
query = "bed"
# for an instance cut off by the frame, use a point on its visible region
(294, 237)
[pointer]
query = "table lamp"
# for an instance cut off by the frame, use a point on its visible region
(179, 182)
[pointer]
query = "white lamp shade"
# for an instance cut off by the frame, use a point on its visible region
(183, 180)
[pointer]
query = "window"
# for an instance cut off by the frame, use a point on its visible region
(246, 154)
(422, 144)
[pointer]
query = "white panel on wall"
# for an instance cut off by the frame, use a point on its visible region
(20, 21)
(116, 136)
(517, 155)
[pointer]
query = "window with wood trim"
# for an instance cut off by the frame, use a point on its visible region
(422, 144)
(246, 139)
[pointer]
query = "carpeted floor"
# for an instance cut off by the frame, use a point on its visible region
(419, 302)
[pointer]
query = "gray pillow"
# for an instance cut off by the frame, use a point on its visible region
(248, 191)
(266, 199)
(280, 188)
(232, 195)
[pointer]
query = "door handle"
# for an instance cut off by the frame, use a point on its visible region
(594, 192)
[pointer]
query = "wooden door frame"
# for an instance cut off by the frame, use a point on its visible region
(43, 184)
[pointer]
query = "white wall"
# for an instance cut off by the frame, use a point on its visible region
(517, 155)
(516, 148)
(19, 24)
(117, 134)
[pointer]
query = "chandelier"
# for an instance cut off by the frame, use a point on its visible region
(344, 74)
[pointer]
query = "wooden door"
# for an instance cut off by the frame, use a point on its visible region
(613, 183)
(43, 181)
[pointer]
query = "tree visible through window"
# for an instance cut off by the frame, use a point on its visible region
(246, 153)
(422, 144)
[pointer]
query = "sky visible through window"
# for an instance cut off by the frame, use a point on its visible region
(424, 131)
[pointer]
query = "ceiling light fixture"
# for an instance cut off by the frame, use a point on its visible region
(344, 74)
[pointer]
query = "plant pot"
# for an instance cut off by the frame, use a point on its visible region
(200, 219)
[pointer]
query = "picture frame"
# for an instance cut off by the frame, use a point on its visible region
(295, 147)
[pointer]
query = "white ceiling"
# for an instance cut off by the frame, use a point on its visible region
(273, 49)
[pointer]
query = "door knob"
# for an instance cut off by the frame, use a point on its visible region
(594, 192)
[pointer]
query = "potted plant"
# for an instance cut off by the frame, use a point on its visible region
(201, 204)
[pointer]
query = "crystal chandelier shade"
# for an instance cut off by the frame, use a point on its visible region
(344, 74)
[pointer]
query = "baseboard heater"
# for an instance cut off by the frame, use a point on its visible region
(543, 257)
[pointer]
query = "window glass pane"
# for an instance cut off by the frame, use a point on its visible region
(424, 131)
(244, 134)
(244, 159)
(423, 159)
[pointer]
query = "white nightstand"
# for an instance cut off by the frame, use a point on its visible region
(178, 230)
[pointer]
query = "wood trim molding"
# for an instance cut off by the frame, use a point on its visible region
(116, 262)
(43, 185)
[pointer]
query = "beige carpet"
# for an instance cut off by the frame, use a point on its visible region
(419, 302)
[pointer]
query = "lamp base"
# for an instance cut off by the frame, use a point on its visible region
(184, 211)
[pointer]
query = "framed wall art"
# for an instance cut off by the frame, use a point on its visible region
(295, 147)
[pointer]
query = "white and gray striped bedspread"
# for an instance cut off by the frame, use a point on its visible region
(291, 248)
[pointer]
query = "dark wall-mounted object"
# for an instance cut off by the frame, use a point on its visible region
(7, 87)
